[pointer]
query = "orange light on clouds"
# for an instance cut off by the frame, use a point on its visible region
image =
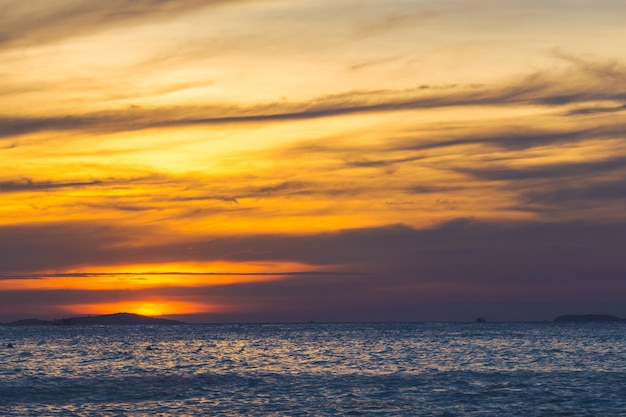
(144, 276)
(217, 267)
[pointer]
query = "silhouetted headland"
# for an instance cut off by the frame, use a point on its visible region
(107, 319)
(29, 322)
(589, 318)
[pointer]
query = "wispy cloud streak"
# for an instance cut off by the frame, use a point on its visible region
(538, 89)
(39, 21)
(29, 185)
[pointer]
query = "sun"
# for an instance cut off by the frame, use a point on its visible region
(149, 310)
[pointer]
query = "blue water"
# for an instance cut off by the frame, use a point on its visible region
(470, 369)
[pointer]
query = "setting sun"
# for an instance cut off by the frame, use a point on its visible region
(149, 310)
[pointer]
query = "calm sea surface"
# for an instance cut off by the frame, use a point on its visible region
(472, 369)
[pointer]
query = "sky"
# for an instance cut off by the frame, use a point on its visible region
(325, 160)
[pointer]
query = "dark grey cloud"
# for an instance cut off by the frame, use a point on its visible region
(137, 119)
(121, 207)
(517, 138)
(202, 197)
(19, 126)
(582, 97)
(611, 70)
(555, 171)
(303, 188)
(593, 192)
(594, 110)
(39, 247)
(64, 245)
(59, 297)
(27, 184)
(292, 188)
(427, 189)
(284, 186)
(381, 163)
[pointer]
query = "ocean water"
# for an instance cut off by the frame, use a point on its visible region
(420, 369)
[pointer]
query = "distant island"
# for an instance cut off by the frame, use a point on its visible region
(589, 318)
(107, 319)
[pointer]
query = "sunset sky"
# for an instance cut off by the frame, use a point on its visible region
(327, 160)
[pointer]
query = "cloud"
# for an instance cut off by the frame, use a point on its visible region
(26, 184)
(554, 171)
(545, 89)
(29, 185)
(267, 189)
(43, 246)
(610, 70)
(598, 109)
(289, 185)
(40, 21)
(463, 263)
(518, 138)
(376, 163)
(596, 191)
(66, 245)
(202, 197)
(427, 189)
(121, 207)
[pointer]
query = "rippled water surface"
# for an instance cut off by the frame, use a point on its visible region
(472, 369)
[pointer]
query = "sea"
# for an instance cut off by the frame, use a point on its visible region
(315, 369)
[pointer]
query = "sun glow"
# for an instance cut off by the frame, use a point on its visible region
(151, 308)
